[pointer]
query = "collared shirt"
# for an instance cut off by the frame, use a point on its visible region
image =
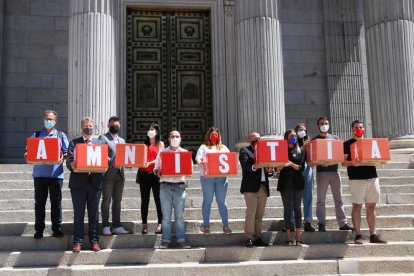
(89, 140)
(172, 179)
(116, 138)
(51, 171)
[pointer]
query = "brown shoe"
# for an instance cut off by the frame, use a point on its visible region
(144, 229)
(358, 239)
(206, 230)
(376, 239)
(76, 247)
(183, 245)
(226, 230)
(95, 247)
(164, 245)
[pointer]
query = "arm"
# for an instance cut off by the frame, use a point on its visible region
(157, 166)
(70, 159)
(246, 162)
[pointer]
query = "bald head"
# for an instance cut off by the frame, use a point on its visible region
(253, 137)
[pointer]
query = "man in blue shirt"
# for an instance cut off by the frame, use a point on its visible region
(49, 179)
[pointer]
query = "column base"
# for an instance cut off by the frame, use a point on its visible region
(403, 144)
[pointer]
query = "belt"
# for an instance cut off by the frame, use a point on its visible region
(172, 183)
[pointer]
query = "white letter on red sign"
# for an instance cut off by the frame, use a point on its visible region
(41, 150)
(129, 155)
(93, 156)
(330, 150)
(272, 146)
(222, 159)
(177, 163)
(356, 152)
(375, 153)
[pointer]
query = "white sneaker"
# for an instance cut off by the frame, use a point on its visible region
(107, 231)
(120, 231)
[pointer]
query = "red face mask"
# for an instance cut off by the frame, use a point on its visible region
(359, 132)
(214, 138)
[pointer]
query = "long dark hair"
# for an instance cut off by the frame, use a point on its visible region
(301, 141)
(157, 137)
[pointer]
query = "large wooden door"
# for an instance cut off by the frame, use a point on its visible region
(169, 74)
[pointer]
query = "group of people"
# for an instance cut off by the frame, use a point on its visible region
(295, 183)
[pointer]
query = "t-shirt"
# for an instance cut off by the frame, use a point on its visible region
(358, 172)
(203, 150)
(174, 179)
(332, 168)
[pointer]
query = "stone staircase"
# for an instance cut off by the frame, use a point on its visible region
(328, 253)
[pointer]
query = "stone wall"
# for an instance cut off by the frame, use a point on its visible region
(34, 69)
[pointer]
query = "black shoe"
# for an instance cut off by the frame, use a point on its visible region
(38, 235)
(321, 227)
(307, 227)
(57, 234)
(347, 227)
(260, 242)
(249, 243)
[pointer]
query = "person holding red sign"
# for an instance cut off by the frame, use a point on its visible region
(213, 185)
(112, 182)
(148, 180)
(255, 189)
(364, 186)
(85, 189)
(291, 184)
(329, 176)
(172, 196)
(48, 179)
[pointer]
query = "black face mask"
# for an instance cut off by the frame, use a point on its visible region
(113, 129)
(87, 131)
(254, 142)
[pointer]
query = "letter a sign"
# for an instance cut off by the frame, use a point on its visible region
(91, 158)
(176, 163)
(371, 151)
(221, 164)
(43, 150)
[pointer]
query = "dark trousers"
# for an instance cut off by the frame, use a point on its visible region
(42, 187)
(148, 181)
(89, 196)
(292, 199)
(112, 189)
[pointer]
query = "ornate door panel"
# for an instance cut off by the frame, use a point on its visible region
(169, 74)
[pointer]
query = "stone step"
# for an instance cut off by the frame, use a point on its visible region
(212, 254)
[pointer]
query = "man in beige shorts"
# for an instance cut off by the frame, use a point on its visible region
(364, 186)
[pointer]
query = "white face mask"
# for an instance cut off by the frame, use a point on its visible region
(152, 133)
(301, 134)
(324, 128)
(175, 142)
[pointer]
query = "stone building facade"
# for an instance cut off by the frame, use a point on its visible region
(241, 65)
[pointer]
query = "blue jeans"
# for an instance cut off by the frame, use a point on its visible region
(211, 186)
(307, 195)
(172, 196)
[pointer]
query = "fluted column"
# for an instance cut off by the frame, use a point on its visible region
(346, 65)
(390, 46)
(91, 82)
(259, 65)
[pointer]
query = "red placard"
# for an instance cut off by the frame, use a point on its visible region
(221, 164)
(91, 157)
(176, 163)
(131, 155)
(43, 151)
(371, 151)
(271, 152)
(325, 152)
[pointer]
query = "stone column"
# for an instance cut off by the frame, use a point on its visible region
(91, 82)
(390, 48)
(259, 65)
(346, 65)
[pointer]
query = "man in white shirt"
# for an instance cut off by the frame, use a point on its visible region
(172, 195)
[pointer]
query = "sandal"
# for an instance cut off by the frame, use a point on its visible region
(289, 243)
(206, 230)
(159, 229)
(144, 229)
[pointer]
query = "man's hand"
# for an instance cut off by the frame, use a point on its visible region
(72, 165)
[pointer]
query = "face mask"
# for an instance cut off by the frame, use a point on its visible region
(87, 131)
(114, 129)
(214, 138)
(324, 128)
(175, 142)
(293, 140)
(301, 134)
(254, 142)
(49, 124)
(151, 133)
(359, 132)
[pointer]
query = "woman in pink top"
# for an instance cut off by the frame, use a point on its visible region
(148, 180)
(213, 185)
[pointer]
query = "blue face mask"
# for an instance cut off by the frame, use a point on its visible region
(49, 124)
(293, 140)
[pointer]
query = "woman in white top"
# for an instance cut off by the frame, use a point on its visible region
(213, 185)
